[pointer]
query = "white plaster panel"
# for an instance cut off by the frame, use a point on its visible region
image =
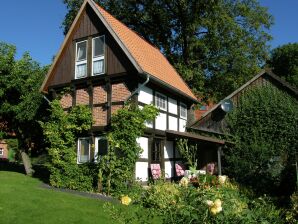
(173, 106)
(143, 142)
(161, 121)
(145, 95)
(182, 125)
(142, 171)
(168, 150)
(173, 123)
(169, 171)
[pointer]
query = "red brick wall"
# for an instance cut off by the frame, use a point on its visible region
(82, 97)
(99, 95)
(3, 145)
(115, 108)
(99, 116)
(119, 92)
(66, 101)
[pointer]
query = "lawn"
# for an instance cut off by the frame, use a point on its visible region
(23, 200)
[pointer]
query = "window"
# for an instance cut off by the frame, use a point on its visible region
(83, 150)
(203, 107)
(81, 60)
(156, 151)
(101, 147)
(1, 152)
(183, 111)
(98, 44)
(161, 101)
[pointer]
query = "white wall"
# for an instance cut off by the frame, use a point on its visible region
(142, 171)
(161, 121)
(169, 149)
(173, 123)
(169, 171)
(145, 95)
(182, 125)
(173, 106)
(143, 142)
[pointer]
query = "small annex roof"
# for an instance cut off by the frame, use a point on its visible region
(145, 57)
(268, 72)
(196, 137)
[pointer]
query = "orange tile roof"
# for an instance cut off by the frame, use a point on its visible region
(148, 57)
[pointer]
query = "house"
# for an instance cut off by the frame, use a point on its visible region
(105, 64)
(213, 121)
(3, 150)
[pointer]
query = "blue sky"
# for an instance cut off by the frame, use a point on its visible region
(35, 26)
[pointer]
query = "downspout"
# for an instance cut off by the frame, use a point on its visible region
(138, 89)
(49, 102)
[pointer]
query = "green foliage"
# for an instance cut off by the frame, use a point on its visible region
(188, 151)
(21, 102)
(61, 132)
(174, 203)
(215, 45)
(117, 167)
(264, 128)
(284, 62)
(292, 213)
(12, 148)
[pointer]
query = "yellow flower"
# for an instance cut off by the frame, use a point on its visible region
(214, 207)
(184, 182)
(125, 200)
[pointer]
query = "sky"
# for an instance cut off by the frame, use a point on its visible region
(35, 26)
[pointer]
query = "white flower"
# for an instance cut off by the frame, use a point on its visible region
(222, 179)
(184, 182)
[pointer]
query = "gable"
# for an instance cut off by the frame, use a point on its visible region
(144, 57)
(213, 120)
(88, 26)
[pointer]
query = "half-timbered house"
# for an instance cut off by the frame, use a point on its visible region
(105, 64)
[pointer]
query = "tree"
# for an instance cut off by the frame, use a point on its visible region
(215, 45)
(284, 62)
(264, 128)
(21, 102)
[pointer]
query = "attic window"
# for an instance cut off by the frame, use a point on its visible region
(98, 44)
(1, 152)
(81, 60)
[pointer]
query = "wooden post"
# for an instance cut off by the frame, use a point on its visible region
(219, 159)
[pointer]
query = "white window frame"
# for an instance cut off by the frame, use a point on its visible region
(81, 61)
(157, 96)
(98, 58)
(183, 106)
(96, 146)
(1, 151)
(78, 150)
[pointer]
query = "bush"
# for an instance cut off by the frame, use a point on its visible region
(212, 202)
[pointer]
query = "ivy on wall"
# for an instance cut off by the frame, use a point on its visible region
(61, 131)
(117, 167)
(264, 128)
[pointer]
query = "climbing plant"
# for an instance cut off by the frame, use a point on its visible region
(61, 131)
(117, 167)
(264, 128)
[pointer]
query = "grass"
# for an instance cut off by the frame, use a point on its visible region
(23, 200)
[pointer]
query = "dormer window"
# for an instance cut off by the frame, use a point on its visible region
(81, 60)
(98, 44)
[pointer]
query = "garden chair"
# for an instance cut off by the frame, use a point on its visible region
(180, 169)
(155, 171)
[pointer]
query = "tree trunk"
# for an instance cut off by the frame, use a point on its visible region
(27, 163)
